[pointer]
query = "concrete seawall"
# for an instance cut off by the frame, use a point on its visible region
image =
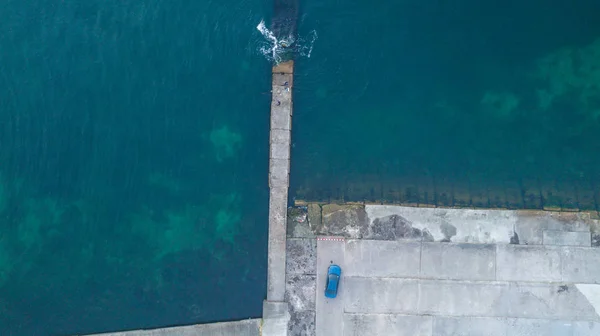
(249, 327)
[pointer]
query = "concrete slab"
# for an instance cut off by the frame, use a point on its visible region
(280, 136)
(300, 292)
(280, 142)
(301, 256)
(296, 229)
(329, 319)
(385, 324)
(395, 227)
(342, 220)
(275, 310)
(530, 225)
(528, 263)
(455, 225)
(466, 298)
(458, 261)
(281, 108)
(581, 265)
(582, 328)
(372, 258)
(302, 323)
(562, 238)
(279, 173)
(459, 326)
(381, 295)
(280, 151)
(277, 244)
(250, 327)
(501, 299)
(275, 319)
(278, 200)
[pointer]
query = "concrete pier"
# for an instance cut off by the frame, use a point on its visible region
(275, 312)
(279, 172)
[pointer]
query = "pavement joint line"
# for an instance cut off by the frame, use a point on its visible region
(496, 263)
(485, 316)
(478, 282)
(420, 258)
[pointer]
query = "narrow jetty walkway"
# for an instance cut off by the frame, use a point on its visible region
(275, 309)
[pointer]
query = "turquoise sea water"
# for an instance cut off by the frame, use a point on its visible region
(134, 134)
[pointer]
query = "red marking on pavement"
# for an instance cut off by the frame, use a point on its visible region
(331, 238)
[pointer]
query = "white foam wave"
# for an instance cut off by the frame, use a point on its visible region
(273, 48)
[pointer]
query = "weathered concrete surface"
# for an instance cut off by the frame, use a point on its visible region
(314, 216)
(300, 293)
(301, 285)
(280, 142)
(282, 79)
(388, 222)
(249, 327)
(275, 319)
(279, 172)
(595, 229)
(302, 323)
(345, 221)
(455, 225)
(277, 244)
(302, 256)
(452, 272)
(299, 229)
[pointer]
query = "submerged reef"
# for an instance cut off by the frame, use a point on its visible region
(226, 143)
(571, 72)
(502, 105)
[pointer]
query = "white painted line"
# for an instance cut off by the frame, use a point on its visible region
(331, 239)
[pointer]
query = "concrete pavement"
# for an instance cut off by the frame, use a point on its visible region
(330, 312)
(446, 272)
